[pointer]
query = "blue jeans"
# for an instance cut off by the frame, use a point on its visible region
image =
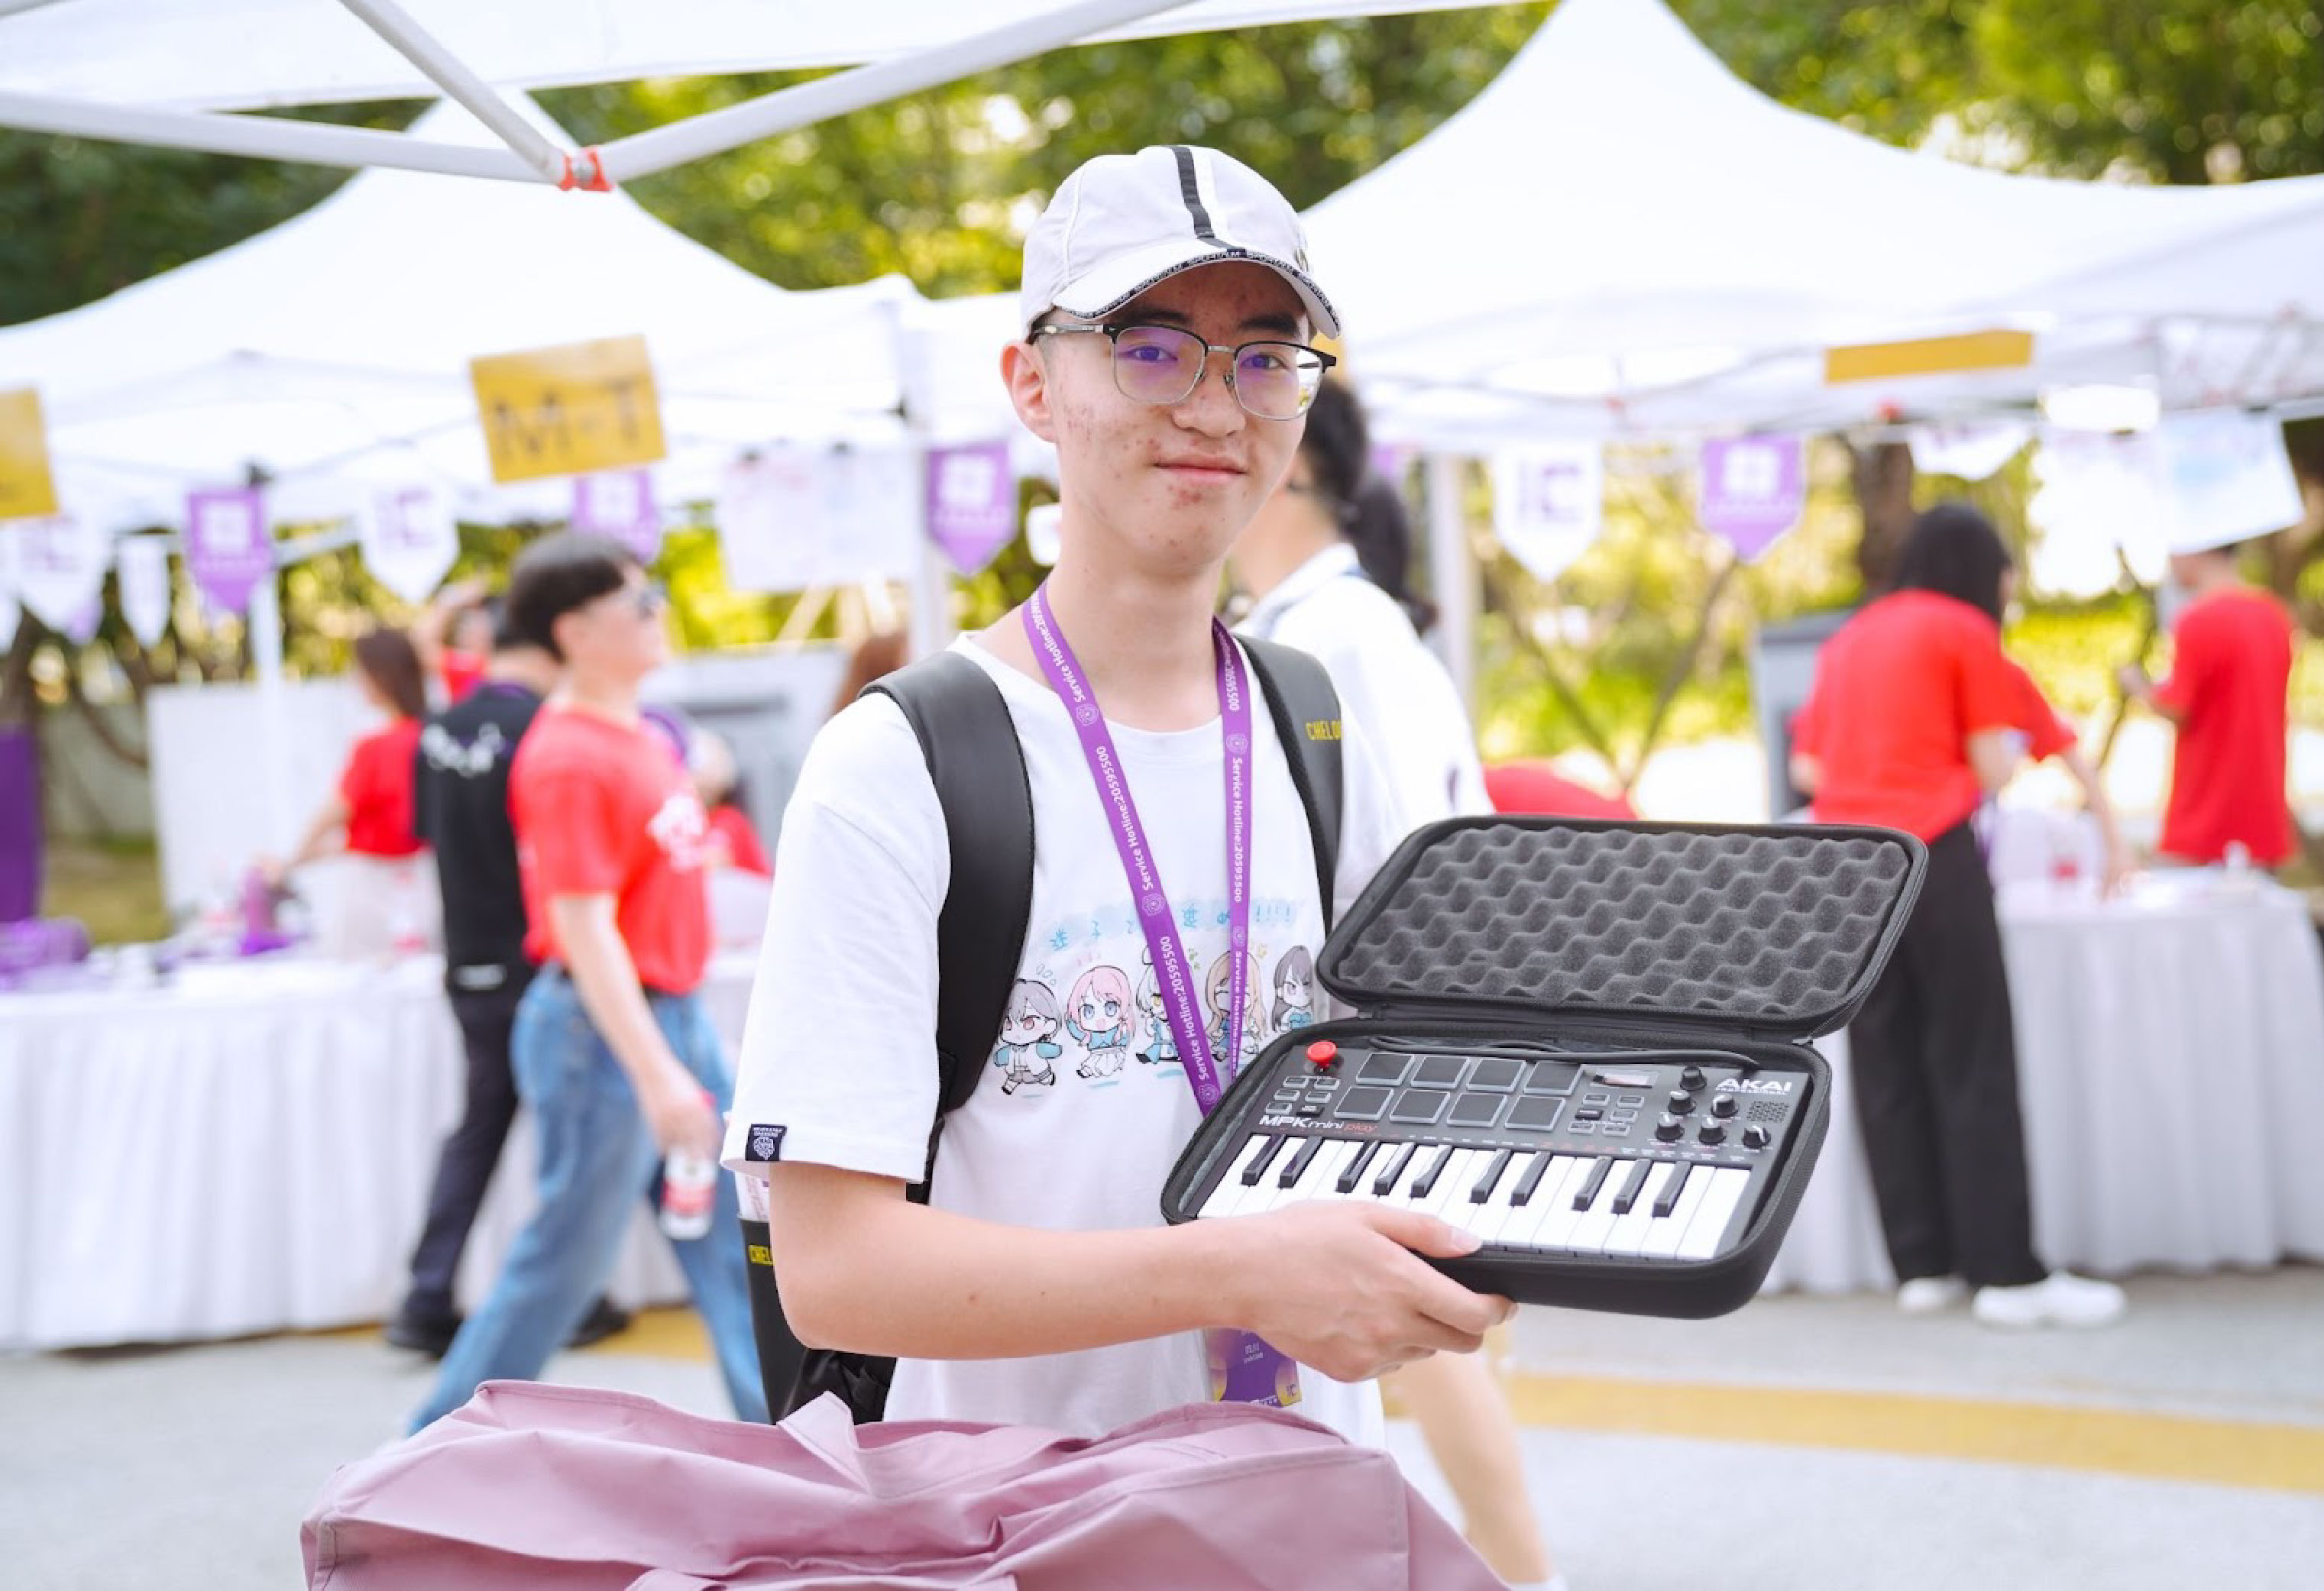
(597, 1160)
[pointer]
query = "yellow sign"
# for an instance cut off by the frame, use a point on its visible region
(1985, 350)
(568, 411)
(27, 489)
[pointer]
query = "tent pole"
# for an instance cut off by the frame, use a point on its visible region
(929, 615)
(265, 621)
(11, 7)
(1451, 576)
(715, 132)
(450, 73)
(267, 138)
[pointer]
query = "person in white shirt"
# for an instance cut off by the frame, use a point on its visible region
(1307, 591)
(1167, 306)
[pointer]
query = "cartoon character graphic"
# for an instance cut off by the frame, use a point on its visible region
(1161, 1043)
(1294, 990)
(1254, 1023)
(1098, 1013)
(1028, 1033)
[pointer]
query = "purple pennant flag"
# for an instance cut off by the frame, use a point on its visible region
(227, 550)
(1753, 489)
(972, 502)
(620, 504)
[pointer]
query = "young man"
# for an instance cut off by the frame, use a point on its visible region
(460, 785)
(2230, 670)
(611, 1049)
(1165, 302)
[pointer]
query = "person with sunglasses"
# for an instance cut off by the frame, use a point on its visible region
(613, 1052)
(1168, 315)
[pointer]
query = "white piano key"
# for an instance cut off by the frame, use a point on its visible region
(1402, 1197)
(1260, 1196)
(1230, 1189)
(1665, 1236)
(1321, 1172)
(1558, 1217)
(1452, 1185)
(1709, 1223)
(1630, 1233)
(1498, 1211)
(1589, 1233)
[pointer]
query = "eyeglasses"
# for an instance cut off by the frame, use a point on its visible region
(649, 598)
(1163, 364)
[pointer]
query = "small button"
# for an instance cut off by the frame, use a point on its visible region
(1581, 1128)
(1597, 1097)
(1623, 1116)
(1285, 1101)
(1322, 1085)
(1312, 1108)
(1632, 1101)
(1589, 1113)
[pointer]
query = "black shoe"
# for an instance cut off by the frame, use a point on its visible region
(423, 1331)
(601, 1322)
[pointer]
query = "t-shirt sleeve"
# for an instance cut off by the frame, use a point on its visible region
(741, 841)
(2194, 645)
(359, 782)
(1991, 699)
(2046, 734)
(838, 1052)
(566, 824)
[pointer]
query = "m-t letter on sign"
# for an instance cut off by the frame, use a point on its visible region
(563, 411)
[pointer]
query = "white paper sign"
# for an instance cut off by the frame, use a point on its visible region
(2094, 493)
(792, 519)
(2226, 478)
(1549, 504)
(11, 613)
(60, 567)
(143, 563)
(409, 539)
(1972, 451)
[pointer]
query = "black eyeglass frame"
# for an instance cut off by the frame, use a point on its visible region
(1114, 334)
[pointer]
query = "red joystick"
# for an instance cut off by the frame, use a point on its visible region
(1323, 1052)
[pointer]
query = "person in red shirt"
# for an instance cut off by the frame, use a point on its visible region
(2226, 692)
(1914, 718)
(369, 811)
(1534, 787)
(733, 841)
(613, 1051)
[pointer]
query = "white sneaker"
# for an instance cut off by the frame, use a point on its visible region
(2059, 1298)
(1925, 1295)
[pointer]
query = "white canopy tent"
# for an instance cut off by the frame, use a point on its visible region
(1620, 236)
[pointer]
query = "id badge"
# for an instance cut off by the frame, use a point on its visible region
(1245, 1368)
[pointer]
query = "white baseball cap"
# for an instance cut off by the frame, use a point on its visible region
(1122, 222)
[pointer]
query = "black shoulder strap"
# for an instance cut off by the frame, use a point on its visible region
(1306, 713)
(978, 768)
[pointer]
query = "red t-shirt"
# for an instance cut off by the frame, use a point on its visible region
(2046, 734)
(1898, 691)
(729, 824)
(602, 808)
(462, 672)
(1537, 787)
(2227, 682)
(376, 786)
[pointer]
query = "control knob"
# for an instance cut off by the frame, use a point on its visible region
(1724, 1105)
(1755, 1136)
(1681, 1102)
(1692, 1078)
(1713, 1132)
(1670, 1129)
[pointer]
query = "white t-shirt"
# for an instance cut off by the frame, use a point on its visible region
(1390, 682)
(1082, 1109)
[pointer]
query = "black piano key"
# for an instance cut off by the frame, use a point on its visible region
(1666, 1201)
(1298, 1163)
(1532, 1178)
(1258, 1166)
(1353, 1172)
(1584, 1195)
(1424, 1183)
(1637, 1179)
(1392, 1171)
(1490, 1177)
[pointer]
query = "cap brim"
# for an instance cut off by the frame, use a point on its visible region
(1100, 291)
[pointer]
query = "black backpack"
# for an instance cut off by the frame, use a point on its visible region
(971, 748)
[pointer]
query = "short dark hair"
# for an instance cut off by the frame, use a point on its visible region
(1954, 550)
(389, 661)
(563, 570)
(1379, 527)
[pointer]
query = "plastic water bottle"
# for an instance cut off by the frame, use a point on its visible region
(689, 1189)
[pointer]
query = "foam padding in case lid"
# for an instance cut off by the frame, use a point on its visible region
(1782, 929)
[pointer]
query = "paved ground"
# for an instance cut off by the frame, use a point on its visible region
(1799, 1445)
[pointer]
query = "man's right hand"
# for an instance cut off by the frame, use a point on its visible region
(1343, 1286)
(681, 1113)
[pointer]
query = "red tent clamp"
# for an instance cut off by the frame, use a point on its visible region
(587, 171)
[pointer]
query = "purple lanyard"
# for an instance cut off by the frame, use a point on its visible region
(1207, 1073)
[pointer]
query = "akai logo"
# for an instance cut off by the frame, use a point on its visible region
(1754, 1085)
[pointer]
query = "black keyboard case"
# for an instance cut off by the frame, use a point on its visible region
(1749, 939)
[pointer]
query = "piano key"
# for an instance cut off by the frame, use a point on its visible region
(1664, 1237)
(1386, 1181)
(1230, 1186)
(1490, 1178)
(1542, 1161)
(1424, 1186)
(1717, 1208)
(1450, 1201)
(1298, 1163)
(1591, 1229)
(1586, 1193)
(1256, 1166)
(1632, 1226)
(1557, 1212)
(1321, 1178)
(1499, 1211)
(1637, 1179)
(1353, 1172)
(1667, 1200)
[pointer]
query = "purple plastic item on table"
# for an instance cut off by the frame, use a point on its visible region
(528, 1486)
(35, 944)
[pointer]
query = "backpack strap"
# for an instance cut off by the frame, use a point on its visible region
(969, 744)
(1306, 712)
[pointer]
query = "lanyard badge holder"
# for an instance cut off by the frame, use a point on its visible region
(1244, 1367)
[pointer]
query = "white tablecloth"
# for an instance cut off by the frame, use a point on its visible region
(248, 1150)
(2171, 1055)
